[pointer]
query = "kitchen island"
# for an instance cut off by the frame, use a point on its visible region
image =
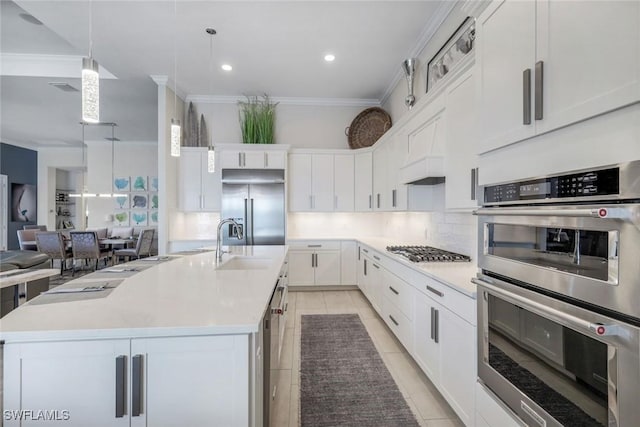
(178, 343)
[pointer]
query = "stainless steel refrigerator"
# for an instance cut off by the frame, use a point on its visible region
(254, 198)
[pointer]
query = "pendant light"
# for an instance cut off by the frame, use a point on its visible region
(211, 154)
(85, 192)
(176, 130)
(90, 82)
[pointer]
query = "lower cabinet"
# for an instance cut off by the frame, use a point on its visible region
(490, 413)
(315, 263)
(445, 348)
(130, 382)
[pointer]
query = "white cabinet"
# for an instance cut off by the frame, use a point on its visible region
(445, 348)
(461, 160)
(311, 183)
(389, 193)
(343, 182)
(131, 382)
(381, 199)
(348, 262)
(199, 190)
(567, 62)
(372, 277)
(315, 263)
(253, 159)
(363, 197)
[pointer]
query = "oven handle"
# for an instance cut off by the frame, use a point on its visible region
(548, 312)
(614, 213)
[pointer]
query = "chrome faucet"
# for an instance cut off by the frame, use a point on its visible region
(239, 235)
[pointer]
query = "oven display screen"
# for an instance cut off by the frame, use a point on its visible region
(536, 189)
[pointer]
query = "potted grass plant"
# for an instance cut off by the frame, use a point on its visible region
(257, 119)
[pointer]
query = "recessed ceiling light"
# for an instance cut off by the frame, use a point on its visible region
(329, 57)
(226, 67)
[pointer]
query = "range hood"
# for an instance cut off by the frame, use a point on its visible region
(426, 171)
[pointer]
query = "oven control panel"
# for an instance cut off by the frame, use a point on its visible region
(592, 183)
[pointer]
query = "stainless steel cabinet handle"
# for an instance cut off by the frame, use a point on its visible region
(435, 291)
(394, 320)
(370, 202)
(366, 251)
(376, 257)
(266, 160)
(365, 267)
(251, 224)
(393, 198)
(121, 384)
(316, 259)
(526, 97)
(436, 326)
(376, 266)
(359, 249)
(314, 246)
(239, 159)
(539, 83)
(313, 260)
(136, 385)
(433, 322)
(378, 197)
(394, 291)
(474, 180)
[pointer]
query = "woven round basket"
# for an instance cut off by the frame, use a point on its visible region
(368, 127)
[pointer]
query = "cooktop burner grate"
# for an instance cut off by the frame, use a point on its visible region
(427, 254)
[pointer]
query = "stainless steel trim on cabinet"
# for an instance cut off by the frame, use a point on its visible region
(121, 384)
(393, 290)
(394, 320)
(432, 323)
(538, 95)
(136, 385)
(436, 326)
(526, 97)
(435, 291)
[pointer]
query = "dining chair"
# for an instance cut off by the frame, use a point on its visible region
(53, 244)
(34, 227)
(142, 249)
(84, 245)
(27, 240)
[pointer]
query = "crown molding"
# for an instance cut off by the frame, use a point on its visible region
(323, 102)
(39, 65)
(165, 81)
(426, 35)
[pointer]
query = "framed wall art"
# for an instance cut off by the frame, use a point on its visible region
(459, 45)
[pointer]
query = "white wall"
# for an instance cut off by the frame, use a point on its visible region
(301, 126)
(130, 159)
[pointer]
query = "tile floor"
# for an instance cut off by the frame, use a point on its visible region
(429, 407)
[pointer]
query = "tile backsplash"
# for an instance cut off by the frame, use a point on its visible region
(456, 232)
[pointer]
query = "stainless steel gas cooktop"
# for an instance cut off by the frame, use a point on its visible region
(427, 254)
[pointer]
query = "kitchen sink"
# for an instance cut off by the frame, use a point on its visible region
(245, 263)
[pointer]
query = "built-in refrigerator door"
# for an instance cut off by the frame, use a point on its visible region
(266, 214)
(235, 204)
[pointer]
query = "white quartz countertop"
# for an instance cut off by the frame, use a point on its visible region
(185, 295)
(456, 275)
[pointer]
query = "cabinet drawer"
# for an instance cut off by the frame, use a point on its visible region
(315, 245)
(398, 323)
(460, 304)
(399, 293)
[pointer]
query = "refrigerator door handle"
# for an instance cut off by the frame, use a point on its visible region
(251, 226)
(247, 226)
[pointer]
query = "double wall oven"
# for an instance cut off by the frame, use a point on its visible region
(559, 297)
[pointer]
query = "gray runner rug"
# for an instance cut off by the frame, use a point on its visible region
(343, 380)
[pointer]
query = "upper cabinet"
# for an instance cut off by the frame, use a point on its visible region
(311, 178)
(253, 159)
(198, 190)
(343, 182)
(547, 64)
(461, 161)
(363, 197)
(389, 193)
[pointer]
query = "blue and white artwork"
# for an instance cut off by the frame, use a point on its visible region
(139, 183)
(139, 218)
(121, 202)
(139, 201)
(153, 201)
(153, 183)
(122, 183)
(121, 218)
(153, 217)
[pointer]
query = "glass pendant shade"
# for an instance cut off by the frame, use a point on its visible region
(90, 91)
(211, 160)
(175, 137)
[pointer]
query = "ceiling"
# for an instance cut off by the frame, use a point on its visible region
(275, 47)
